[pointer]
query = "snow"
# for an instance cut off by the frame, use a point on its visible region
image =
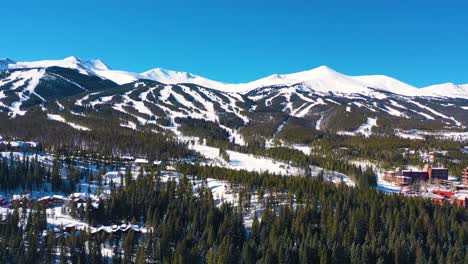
(319, 122)
(365, 129)
(393, 111)
(61, 107)
(249, 162)
(446, 90)
(320, 79)
(29, 77)
(457, 123)
(388, 84)
(420, 134)
(59, 118)
(89, 67)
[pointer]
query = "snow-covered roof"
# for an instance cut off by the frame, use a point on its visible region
(141, 161)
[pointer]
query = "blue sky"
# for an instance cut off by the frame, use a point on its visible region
(420, 42)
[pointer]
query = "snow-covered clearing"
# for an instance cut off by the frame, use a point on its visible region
(59, 118)
(365, 129)
(249, 162)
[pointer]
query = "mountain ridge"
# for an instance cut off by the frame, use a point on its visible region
(319, 79)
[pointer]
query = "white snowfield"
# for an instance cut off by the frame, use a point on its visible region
(30, 78)
(249, 162)
(60, 118)
(88, 67)
(320, 79)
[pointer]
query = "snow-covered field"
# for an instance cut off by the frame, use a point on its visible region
(249, 162)
(60, 118)
(420, 134)
(365, 129)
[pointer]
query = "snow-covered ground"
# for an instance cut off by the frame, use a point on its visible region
(420, 134)
(59, 118)
(365, 129)
(249, 162)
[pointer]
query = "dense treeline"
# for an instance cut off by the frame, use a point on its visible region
(338, 224)
(304, 220)
(26, 173)
(202, 128)
(107, 138)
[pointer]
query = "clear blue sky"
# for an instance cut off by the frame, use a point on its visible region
(422, 42)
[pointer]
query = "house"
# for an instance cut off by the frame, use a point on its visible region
(51, 201)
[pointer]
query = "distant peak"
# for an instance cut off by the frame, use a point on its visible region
(7, 60)
(90, 64)
(72, 59)
(323, 69)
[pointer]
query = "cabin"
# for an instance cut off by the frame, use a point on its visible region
(52, 201)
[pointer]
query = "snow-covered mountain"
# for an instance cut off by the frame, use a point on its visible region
(321, 79)
(89, 67)
(174, 77)
(449, 90)
(320, 99)
(4, 62)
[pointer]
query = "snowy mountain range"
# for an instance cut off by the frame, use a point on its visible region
(321, 79)
(75, 91)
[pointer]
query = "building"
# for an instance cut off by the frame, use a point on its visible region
(465, 177)
(460, 200)
(52, 201)
(434, 197)
(448, 195)
(437, 173)
(390, 176)
(415, 175)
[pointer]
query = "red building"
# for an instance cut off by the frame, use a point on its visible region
(444, 193)
(460, 200)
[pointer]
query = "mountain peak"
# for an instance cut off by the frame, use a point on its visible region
(323, 68)
(72, 59)
(4, 62)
